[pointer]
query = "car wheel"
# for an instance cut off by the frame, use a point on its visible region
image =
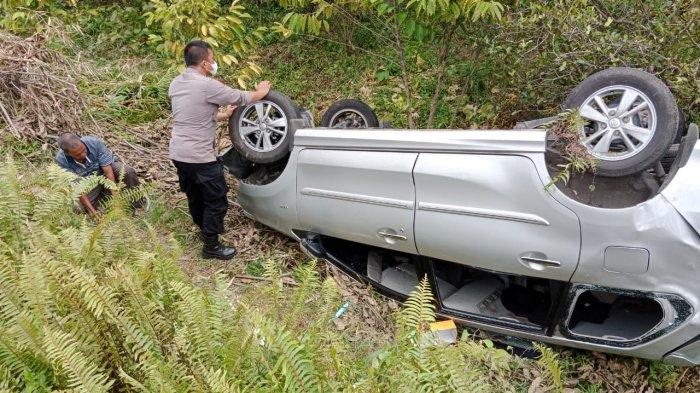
(260, 131)
(349, 113)
(681, 127)
(631, 119)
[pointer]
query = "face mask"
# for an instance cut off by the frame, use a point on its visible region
(214, 68)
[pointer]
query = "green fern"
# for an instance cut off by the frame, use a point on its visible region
(418, 311)
(14, 204)
(289, 358)
(64, 351)
(104, 306)
(551, 369)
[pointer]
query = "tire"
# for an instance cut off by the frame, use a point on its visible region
(249, 138)
(681, 127)
(669, 157)
(648, 132)
(350, 113)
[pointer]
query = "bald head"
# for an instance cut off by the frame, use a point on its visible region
(72, 146)
(68, 141)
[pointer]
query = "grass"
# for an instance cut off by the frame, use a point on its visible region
(663, 377)
(254, 268)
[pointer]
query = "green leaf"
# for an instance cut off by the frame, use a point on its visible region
(382, 75)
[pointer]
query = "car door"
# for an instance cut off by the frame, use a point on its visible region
(361, 196)
(493, 212)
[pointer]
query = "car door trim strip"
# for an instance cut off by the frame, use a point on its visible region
(346, 196)
(486, 213)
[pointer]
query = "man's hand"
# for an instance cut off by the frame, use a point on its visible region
(94, 213)
(263, 86)
(226, 113)
(261, 90)
(109, 174)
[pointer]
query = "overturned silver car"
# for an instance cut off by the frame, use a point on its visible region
(470, 210)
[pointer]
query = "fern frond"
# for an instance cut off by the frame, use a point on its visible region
(307, 277)
(330, 296)
(88, 183)
(551, 369)
(271, 271)
(293, 362)
(192, 309)
(14, 204)
(14, 361)
(418, 311)
(219, 382)
(82, 372)
(54, 200)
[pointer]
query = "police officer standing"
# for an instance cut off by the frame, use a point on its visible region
(196, 99)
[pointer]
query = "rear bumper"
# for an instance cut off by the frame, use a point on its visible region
(686, 355)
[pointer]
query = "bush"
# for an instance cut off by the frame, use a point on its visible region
(105, 307)
(548, 47)
(26, 16)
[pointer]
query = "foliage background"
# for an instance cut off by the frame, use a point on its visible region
(108, 58)
(497, 72)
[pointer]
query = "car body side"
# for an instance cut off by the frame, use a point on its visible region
(341, 182)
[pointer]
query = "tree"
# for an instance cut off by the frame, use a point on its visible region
(400, 24)
(179, 21)
(429, 20)
(315, 17)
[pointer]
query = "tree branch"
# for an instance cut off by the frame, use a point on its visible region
(444, 55)
(404, 70)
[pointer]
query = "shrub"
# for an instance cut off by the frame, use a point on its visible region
(105, 307)
(550, 46)
(26, 16)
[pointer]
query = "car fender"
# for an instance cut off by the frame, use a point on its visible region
(683, 190)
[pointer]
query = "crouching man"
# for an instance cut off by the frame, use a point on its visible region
(196, 99)
(89, 155)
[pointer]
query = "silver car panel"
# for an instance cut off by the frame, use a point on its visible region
(362, 196)
(273, 204)
(688, 355)
(684, 189)
(493, 212)
(655, 225)
(525, 141)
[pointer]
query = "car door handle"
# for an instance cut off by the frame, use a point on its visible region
(388, 235)
(539, 263)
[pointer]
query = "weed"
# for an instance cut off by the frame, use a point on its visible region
(662, 376)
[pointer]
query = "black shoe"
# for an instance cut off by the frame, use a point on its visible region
(144, 203)
(214, 249)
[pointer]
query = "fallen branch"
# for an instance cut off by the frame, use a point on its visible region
(5, 115)
(256, 278)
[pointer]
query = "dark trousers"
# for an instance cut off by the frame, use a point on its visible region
(98, 193)
(206, 191)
